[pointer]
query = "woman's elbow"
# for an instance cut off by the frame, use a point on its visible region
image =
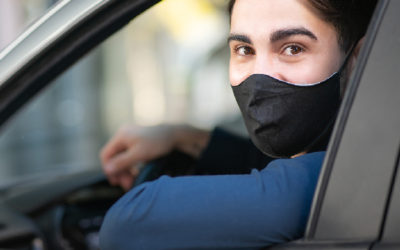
(123, 224)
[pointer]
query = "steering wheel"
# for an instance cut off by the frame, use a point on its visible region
(174, 164)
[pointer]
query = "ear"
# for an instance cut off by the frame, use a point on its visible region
(355, 53)
(351, 65)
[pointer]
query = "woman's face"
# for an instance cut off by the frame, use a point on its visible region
(284, 39)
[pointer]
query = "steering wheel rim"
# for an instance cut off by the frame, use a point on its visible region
(173, 164)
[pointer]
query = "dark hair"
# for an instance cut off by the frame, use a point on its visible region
(349, 17)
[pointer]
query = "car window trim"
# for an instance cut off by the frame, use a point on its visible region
(62, 52)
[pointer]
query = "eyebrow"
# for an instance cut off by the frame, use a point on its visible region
(239, 38)
(276, 35)
(286, 33)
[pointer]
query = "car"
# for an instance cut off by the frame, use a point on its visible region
(357, 201)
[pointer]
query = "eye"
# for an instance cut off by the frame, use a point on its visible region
(292, 50)
(244, 51)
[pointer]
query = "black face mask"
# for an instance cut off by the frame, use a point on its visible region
(285, 119)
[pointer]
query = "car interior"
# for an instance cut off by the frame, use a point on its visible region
(357, 201)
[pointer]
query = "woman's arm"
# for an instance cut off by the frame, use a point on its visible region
(216, 212)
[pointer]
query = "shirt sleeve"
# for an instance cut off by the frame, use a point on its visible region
(216, 212)
(228, 153)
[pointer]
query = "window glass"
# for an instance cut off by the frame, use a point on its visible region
(169, 65)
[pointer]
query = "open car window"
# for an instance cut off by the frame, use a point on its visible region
(157, 69)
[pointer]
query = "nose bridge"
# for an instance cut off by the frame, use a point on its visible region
(264, 65)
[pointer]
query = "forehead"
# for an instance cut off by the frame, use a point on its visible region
(264, 16)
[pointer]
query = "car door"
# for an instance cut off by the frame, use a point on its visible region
(390, 232)
(356, 204)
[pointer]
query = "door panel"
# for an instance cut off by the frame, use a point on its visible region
(352, 202)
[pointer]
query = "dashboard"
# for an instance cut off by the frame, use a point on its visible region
(63, 216)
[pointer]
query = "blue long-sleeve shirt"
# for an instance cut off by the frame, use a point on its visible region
(246, 211)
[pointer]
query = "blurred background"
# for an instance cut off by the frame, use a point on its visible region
(169, 65)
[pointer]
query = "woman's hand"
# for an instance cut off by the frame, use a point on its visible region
(123, 156)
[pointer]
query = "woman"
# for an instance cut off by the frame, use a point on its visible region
(289, 63)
